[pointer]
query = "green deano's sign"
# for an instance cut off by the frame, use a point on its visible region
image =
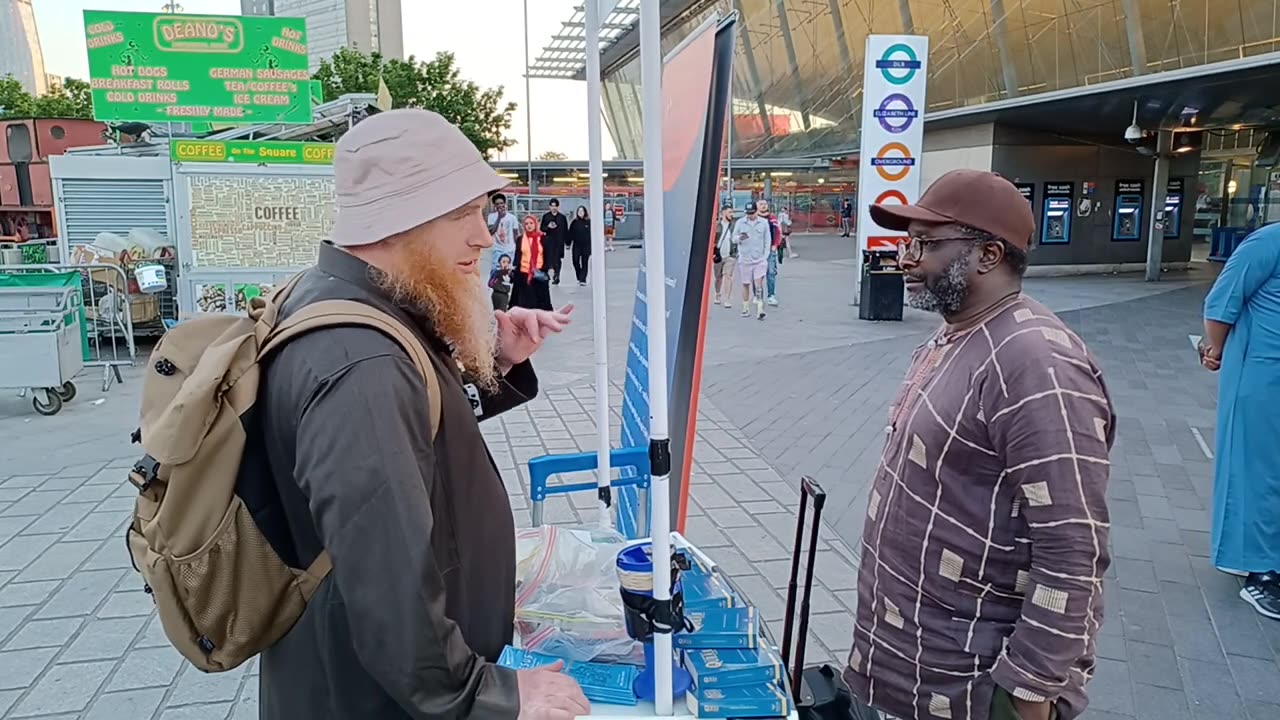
(149, 67)
(252, 152)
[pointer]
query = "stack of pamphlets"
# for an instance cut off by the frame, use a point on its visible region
(748, 701)
(713, 667)
(736, 683)
(608, 684)
(735, 627)
(734, 674)
(701, 592)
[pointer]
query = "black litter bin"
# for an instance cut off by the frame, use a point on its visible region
(881, 295)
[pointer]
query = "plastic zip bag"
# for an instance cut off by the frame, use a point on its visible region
(567, 599)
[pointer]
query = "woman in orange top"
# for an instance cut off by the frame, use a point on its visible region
(530, 285)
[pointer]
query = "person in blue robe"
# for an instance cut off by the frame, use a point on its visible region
(1242, 342)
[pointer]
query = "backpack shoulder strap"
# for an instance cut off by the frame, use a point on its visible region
(333, 313)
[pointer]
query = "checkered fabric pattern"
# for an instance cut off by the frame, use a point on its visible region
(986, 535)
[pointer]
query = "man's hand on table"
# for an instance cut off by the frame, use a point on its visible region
(548, 694)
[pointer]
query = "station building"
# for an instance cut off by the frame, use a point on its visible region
(1040, 91)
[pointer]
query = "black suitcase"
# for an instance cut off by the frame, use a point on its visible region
(819, 692)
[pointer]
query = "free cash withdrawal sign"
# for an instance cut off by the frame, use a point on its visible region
(148, 67)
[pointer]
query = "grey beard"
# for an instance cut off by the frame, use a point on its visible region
(946, 293)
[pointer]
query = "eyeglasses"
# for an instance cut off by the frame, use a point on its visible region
(913, 247)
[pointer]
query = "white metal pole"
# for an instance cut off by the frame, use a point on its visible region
(656, 301)
(595, 169)
(528, 111)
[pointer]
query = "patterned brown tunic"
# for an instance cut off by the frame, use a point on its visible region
(986, 534)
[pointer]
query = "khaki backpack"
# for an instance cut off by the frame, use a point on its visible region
(222, 592)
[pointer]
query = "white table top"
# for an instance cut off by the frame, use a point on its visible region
(643, 710)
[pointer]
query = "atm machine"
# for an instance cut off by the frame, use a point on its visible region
(1127, 223)
(1055, 220)
(1173, 209)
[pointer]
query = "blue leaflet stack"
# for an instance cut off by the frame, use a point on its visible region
(609, 684)
(702, 592)
(712, 667)
(750, 701)
(720, 628)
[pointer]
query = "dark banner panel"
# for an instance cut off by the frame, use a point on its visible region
(695, 85)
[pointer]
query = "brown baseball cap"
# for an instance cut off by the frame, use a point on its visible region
(976, 198)
(400, 169)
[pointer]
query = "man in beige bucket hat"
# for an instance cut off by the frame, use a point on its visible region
(420, 601)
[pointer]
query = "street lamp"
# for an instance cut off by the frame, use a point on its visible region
(172, 7)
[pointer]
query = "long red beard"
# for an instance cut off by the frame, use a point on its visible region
(456, 303)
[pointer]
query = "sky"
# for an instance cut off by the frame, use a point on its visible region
(487, 36)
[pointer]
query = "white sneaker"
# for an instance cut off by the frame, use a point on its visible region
(773, 301)
(746, 309)
(760, 309)
(727, 304)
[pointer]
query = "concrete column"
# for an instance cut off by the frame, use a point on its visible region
(753, 73)
(846, 58)
(904, 11)
(1159, 190)
(1137, 40)
(793, 62)
(1007, 67)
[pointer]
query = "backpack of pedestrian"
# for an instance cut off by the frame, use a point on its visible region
(222, 592)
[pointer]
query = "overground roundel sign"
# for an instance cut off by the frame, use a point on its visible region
(894, 195)
(898, 64)
(896, 113)
(893, 162)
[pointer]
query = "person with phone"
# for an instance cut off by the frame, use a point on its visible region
(754, 237)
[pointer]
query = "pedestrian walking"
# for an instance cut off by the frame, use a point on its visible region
(1242, 342)
(985, 542)
(580, 240)
(725, 259)
(784, 222)
(752, 234)
(610, 227)
(774, 256)
(846, 218)
(530, 283)
(416, 524)
(555, 239)
(504, 228)
(500, 284)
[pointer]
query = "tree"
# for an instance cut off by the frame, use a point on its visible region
(72, 99)
(15, 101)
(553, 155)
(433, 85)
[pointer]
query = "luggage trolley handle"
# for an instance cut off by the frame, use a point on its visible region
(809, 488)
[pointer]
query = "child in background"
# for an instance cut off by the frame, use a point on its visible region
(500, 282)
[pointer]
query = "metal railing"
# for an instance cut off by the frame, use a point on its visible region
(109, 313)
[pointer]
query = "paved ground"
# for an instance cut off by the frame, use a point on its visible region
(77, 638)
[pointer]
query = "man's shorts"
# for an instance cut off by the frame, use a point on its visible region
(749, 271)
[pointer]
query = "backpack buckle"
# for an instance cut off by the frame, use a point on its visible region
(144, 472)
